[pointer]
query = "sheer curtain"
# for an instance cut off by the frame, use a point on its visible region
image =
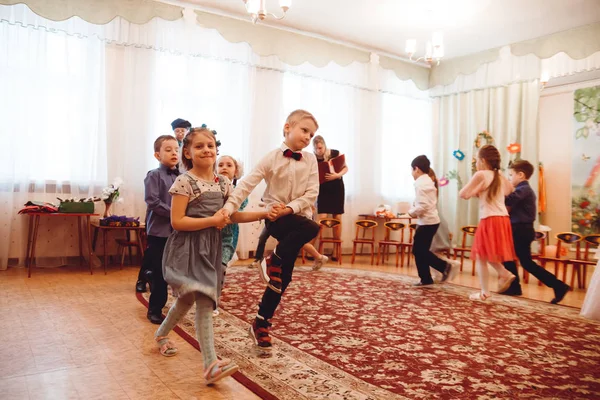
(86, 102)
(52, 124)
(508, 113)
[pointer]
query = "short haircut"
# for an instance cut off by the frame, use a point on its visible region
(421, 162)
(298, 115)
(160, 140)
(523, 166)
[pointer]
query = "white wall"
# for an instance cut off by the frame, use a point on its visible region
(556, 140)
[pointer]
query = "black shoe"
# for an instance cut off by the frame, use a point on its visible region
(419, 284)
(140, 287)
(511, 292)
(154, 318)
(560, 292)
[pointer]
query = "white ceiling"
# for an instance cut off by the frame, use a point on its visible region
(469, 26)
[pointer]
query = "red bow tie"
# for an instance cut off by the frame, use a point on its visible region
(290, 154)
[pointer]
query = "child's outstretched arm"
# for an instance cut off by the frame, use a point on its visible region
(475, 186)
(241, 217)
(182, 222)
(245, 186)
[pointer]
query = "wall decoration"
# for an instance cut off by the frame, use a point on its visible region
(514, 148)
(454, 175)
(481, 140)
(443, 182)
(585, 178)
(459, 155)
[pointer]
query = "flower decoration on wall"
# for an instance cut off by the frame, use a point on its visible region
(443, 181)
(514, 148)
(454, 175)
(459, 155)
(483, 138)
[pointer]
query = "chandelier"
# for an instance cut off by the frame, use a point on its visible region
(434, 49)
(258, 10)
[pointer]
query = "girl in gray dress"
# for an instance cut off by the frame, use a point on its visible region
(192, 258)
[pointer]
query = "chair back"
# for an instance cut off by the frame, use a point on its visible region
(591, 242)
(540, 237)
(566, 238)
(394, 226)
(365, 226)
(411, 232)
(328, 223)
(467, 230)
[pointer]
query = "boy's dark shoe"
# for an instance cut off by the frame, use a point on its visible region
(259, 332)
(559, 292)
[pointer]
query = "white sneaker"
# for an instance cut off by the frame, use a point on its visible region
(216, 313)
(262, 270)
(254, 264)
(318, 264)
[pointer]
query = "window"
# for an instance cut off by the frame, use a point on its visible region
(52, 107)
(406, 133)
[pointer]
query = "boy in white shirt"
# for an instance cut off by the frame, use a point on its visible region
(292, 187)
(425, 209)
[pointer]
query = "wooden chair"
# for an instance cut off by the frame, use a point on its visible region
(364, 226)
(387, 241)
(124, 244)
(468, 230)
(582, 258)
(540, 237)
(407, 246)
(562, 239)
(337, 243)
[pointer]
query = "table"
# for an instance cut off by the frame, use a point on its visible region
(34, 223)
(137, 229)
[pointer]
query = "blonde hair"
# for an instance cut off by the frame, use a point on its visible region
(319, 139)
(298, 115)
(239, 168)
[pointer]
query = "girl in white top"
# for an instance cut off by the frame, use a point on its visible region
(493, 239)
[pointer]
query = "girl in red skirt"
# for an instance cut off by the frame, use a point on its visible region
(493, 239)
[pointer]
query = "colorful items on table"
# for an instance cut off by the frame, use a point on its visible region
(120, 221)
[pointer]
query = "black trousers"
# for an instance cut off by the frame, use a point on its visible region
(153, 261)
(523, 235)
(292, 231)
(424, 258)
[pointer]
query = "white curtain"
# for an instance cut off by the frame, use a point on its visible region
(52, 124)
(508, 113)
(86, 102)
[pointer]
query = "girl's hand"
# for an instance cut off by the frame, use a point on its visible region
(220, 220)
(332, 177)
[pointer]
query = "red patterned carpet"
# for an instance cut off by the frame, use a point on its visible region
(349, 334)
